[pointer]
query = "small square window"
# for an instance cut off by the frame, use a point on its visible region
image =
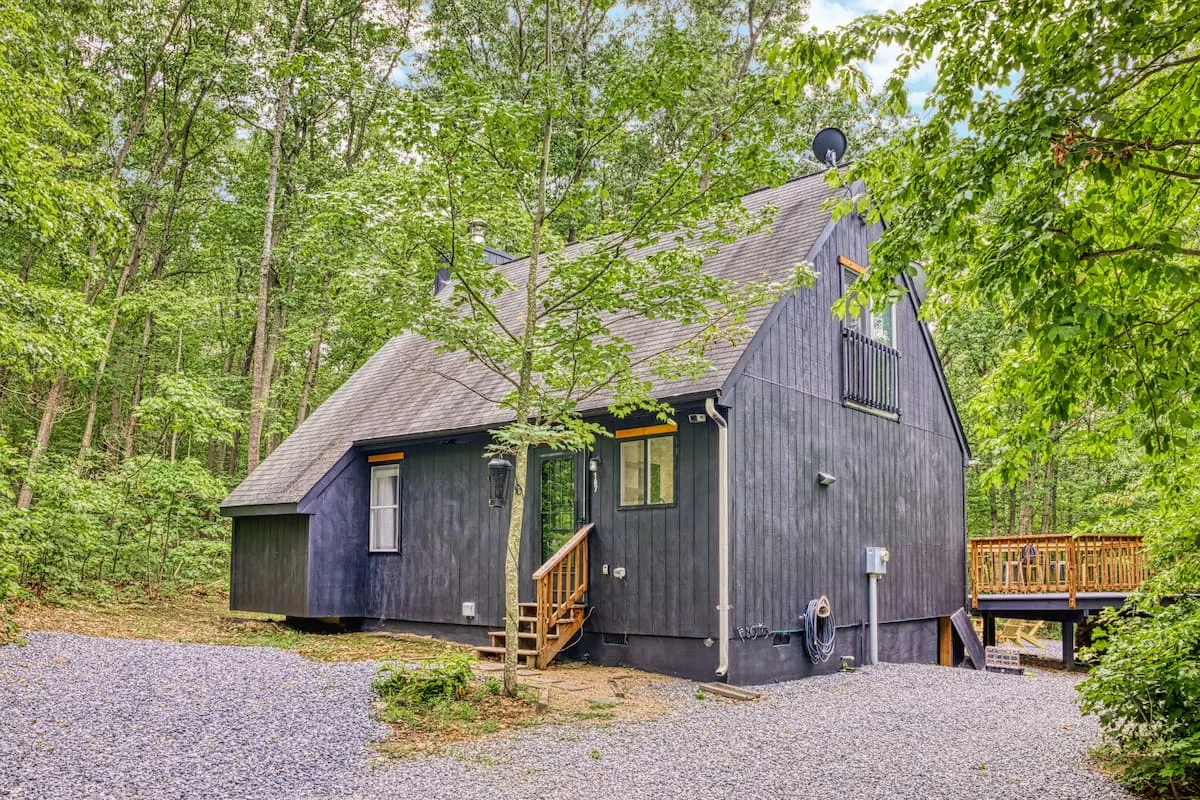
(384, 521)
(648, 471)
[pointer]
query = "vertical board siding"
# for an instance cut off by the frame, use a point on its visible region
(452, 542)
(337, 544)
(669, 553)
(899, 484)
(269, 564)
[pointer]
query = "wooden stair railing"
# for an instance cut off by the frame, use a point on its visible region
(1056, 563)
(559, 613)
(561, 583)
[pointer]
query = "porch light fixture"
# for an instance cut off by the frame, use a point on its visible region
(825, 479)
(594, 468)
(498, 471)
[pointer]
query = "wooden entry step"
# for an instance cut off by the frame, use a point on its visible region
(553, 620)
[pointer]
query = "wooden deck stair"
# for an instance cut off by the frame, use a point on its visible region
(551, 623)
(557, 637)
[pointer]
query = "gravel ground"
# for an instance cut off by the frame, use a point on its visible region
(1051, 648)
(83, 717)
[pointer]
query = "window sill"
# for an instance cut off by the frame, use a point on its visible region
(376, 550)
(647, 507)
(875, 412)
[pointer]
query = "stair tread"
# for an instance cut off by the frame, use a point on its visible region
(525, 634)
(500, 650)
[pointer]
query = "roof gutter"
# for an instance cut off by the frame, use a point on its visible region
(723, 607)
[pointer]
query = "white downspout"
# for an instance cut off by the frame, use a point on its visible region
(873, 617)
(723, 606)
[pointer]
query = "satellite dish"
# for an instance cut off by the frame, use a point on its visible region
(829, 145)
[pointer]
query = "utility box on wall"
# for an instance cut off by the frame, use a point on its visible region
(877, 558)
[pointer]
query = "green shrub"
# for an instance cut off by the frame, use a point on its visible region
(1145, 691)
(436, 680)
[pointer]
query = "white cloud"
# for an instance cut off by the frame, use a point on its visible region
(824, 15)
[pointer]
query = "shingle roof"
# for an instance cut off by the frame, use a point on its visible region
(400, 391)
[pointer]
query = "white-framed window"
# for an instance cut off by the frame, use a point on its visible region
(385, 509)
(879, 325)
(648, 471)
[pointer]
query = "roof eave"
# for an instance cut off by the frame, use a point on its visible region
(269, 509)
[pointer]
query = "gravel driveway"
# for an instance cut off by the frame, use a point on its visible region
(98, 718)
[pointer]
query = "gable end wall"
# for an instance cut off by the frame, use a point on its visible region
(899, 484)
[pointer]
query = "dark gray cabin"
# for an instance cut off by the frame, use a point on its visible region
(862, 404)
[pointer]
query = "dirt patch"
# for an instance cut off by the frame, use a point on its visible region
(577, 694)
(207, 620)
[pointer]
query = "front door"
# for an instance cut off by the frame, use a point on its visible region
(560, 511)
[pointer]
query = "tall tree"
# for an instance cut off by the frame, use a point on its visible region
(261, 380)
(521, 116)
(1055, 180)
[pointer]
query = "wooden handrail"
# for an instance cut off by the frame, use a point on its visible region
(1057, 563)
(561, 582)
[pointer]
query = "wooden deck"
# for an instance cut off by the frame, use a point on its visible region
(1056, 578)
(1047, 568)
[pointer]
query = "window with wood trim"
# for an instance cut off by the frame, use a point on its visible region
(384, 521)
(648, 471)
(877, 325)
(870, 361)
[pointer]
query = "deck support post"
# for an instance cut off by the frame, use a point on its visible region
(1068, 644)
(989, 630)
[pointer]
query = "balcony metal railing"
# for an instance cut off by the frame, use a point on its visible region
(870, 372)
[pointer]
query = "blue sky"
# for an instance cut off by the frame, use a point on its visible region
(828, 14)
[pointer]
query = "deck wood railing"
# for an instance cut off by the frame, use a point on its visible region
(561, 583)
(1057, 564)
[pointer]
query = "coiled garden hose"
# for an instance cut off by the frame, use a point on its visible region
(818, 630)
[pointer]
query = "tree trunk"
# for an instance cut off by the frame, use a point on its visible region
(1048, 498)
(1025, 523)
(524, 404)
(993, 511)
(314, 359)
(1012, 510)
(42, 443)
(259, 381)
(136, 397)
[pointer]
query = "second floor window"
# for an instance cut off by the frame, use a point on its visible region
(879, 325)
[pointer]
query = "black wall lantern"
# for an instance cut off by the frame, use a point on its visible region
(498, 471)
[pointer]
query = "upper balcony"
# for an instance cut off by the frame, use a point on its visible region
(870, 373)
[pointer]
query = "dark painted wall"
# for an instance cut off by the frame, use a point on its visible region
(452, 543)
(269, 564)
(899, 484)
(669, 553)
(757, 661)
(337, 538)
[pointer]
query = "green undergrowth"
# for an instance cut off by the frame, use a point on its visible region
(440, 699)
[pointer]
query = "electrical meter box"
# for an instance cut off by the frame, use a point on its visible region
(877, 558)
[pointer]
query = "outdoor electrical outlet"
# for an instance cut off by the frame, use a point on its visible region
(604, 569)
(468, 609)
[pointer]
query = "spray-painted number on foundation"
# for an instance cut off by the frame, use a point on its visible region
(759, 631)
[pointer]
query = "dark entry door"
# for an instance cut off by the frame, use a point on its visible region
(560, 511)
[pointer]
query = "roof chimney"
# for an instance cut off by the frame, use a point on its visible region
(477, 229)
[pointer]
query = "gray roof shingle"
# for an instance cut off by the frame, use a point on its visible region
(401, 392)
